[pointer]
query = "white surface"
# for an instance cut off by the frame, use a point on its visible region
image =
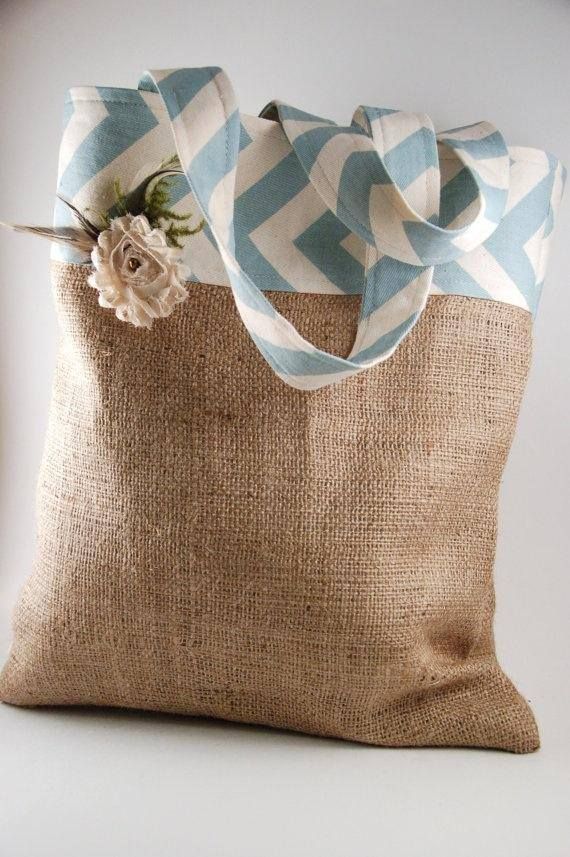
(100, 784)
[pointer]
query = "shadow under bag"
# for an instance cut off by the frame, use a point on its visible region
(292, 359)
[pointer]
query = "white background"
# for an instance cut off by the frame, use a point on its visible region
(99, 784)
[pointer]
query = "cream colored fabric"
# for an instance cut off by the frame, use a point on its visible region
(214, 542)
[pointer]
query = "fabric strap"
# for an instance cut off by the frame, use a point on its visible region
(380, 177)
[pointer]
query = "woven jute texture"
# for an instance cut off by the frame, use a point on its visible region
(214, 542)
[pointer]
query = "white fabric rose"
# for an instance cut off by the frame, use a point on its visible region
(136, 272)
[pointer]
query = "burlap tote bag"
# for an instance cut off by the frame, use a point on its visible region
(292, 358)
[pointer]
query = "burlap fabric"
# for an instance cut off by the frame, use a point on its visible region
(214, 542)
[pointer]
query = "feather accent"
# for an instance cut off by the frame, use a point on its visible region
(153, 204)
(77, 238)
(135, 200)
(90, 228)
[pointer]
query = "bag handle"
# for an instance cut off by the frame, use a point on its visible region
(206, 126)
(355, 171)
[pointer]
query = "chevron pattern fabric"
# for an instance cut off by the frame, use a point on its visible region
(385, 208)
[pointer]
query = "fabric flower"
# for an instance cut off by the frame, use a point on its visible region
(136, 272)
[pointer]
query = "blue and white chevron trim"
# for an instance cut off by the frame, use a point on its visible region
(383, 207)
